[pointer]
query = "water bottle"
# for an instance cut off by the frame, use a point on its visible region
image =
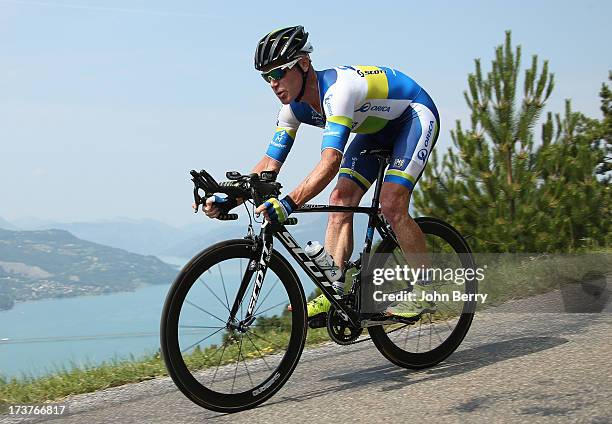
(317, 253)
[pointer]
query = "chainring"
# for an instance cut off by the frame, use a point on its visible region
(340, 330)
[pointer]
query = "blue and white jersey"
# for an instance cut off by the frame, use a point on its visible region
(358, 99)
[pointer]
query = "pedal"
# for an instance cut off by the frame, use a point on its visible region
(318, 321)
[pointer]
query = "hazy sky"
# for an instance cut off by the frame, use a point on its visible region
(106, 105)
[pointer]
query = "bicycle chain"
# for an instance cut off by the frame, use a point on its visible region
(370, 338)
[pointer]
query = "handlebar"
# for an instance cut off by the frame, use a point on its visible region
(252, 186)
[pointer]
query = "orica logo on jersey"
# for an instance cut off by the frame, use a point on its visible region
(364, 107)
(429, 131)
(422, 155)
(376, 108)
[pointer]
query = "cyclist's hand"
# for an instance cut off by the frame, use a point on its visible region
(275, 210)
(210, 209)
(216, 205)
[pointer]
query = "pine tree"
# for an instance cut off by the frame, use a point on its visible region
(575, 199)
(497, 186)
(604, 166)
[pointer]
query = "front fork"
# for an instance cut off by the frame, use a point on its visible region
(258, 265)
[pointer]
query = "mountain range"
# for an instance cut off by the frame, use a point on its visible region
(143, 236)
(55, 259)
(151, 237)
(55, 263)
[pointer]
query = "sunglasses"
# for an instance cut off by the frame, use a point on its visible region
(278, 73)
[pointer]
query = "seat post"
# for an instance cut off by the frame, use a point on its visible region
(383, 160)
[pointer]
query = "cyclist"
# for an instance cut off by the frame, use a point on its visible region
(384, 107)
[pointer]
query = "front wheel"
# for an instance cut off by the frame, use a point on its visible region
(216, 365)
(434, 336)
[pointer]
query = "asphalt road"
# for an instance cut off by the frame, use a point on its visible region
(514, 365)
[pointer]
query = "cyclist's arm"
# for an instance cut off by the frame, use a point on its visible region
(323, 173)
(282, 141)
(286, 129)
(267, 164)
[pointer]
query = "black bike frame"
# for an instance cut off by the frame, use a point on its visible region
(316, 274)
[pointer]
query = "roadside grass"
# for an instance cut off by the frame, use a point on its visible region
(63, 382)
(513, 277)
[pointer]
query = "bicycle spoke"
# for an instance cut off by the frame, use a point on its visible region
(236, 370)
(266, 296)
(217, 297)
(406, 339)
(258, 351)
(223, 282)
(266, 326)
(244, 360)
(218, 363)
(448, 325)
(397, 329)
(419, 339)
(200, 341)
(265, 340)
(204, 310)
(271, 307)
(197, 326)
(436, 331)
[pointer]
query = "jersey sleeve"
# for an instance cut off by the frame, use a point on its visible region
(286, 129)
(339, 106)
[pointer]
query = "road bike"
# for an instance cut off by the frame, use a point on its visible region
(228, 338)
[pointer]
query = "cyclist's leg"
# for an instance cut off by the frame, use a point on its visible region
(357, 173)
(339, 234)
(355, 177)
(411, 150)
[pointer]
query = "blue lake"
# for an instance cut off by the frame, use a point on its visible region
(37, 337)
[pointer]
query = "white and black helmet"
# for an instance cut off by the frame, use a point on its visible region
(281, 46)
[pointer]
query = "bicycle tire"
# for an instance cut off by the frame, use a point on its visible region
(420, 360)
(170, 348)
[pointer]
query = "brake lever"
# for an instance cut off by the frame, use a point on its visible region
(197, 199)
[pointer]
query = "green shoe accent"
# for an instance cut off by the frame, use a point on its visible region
(411, 309)
(317, 306)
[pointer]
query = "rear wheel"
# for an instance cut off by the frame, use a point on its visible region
(218, 366)
(434, 336)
